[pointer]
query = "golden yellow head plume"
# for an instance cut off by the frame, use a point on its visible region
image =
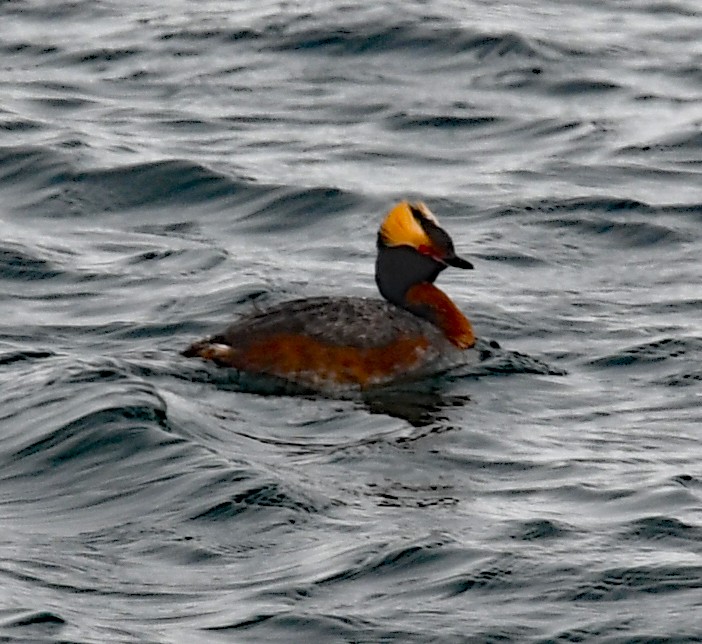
(402, 225)
(415, 226)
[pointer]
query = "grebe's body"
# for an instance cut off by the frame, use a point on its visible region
(323, 342)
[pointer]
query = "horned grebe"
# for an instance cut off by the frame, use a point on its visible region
(324, 342)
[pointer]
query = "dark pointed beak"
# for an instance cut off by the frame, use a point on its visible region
(458, 262)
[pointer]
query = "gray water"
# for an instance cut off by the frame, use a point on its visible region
(166, 167)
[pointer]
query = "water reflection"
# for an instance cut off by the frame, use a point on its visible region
(419, 407)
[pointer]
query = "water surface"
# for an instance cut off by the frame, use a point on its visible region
(165, 168)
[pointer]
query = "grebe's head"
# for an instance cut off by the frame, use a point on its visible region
(412, 248)
(415, 226)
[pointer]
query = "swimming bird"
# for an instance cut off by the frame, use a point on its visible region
(337, 342)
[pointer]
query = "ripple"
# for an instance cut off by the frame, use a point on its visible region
(315, 627)
(583, 86)
(18, 263)
(266, 495)
(682, 147)
(404, 121)
(624, 583)
(498, 361)
(539, 529)
(322, 33)
(496, 576)
(650, 352)
(625, 222)
(404, 559)
(663, 528)
(367, 39)
(31, 625)
(11, 357)
(31, 618)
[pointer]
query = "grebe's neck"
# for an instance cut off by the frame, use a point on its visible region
(429, 302)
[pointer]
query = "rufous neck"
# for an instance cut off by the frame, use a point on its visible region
(431, 303)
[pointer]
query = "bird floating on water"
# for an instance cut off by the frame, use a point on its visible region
(337, 342)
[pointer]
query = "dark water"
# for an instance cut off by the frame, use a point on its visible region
(164, 165)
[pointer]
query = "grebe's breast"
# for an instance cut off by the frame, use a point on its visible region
(324, 342)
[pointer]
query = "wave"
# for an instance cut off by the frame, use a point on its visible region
(270, 495)
(684, 379)
(10, 357)
(83, 421)
(597, 203)
(651, 352)
(538, 211)
(371, 39)
(67, 192)
(18, 263)
(31, 49)
(321, 34)
(683, 148)
(629, 234)
(540, 530)
(27, 624)
(404, 121)
(320, 628)
(615, 584)
(663, 528)
(628, 223)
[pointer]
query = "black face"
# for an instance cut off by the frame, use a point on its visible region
(397, 268)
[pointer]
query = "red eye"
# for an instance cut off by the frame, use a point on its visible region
(430, 251)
